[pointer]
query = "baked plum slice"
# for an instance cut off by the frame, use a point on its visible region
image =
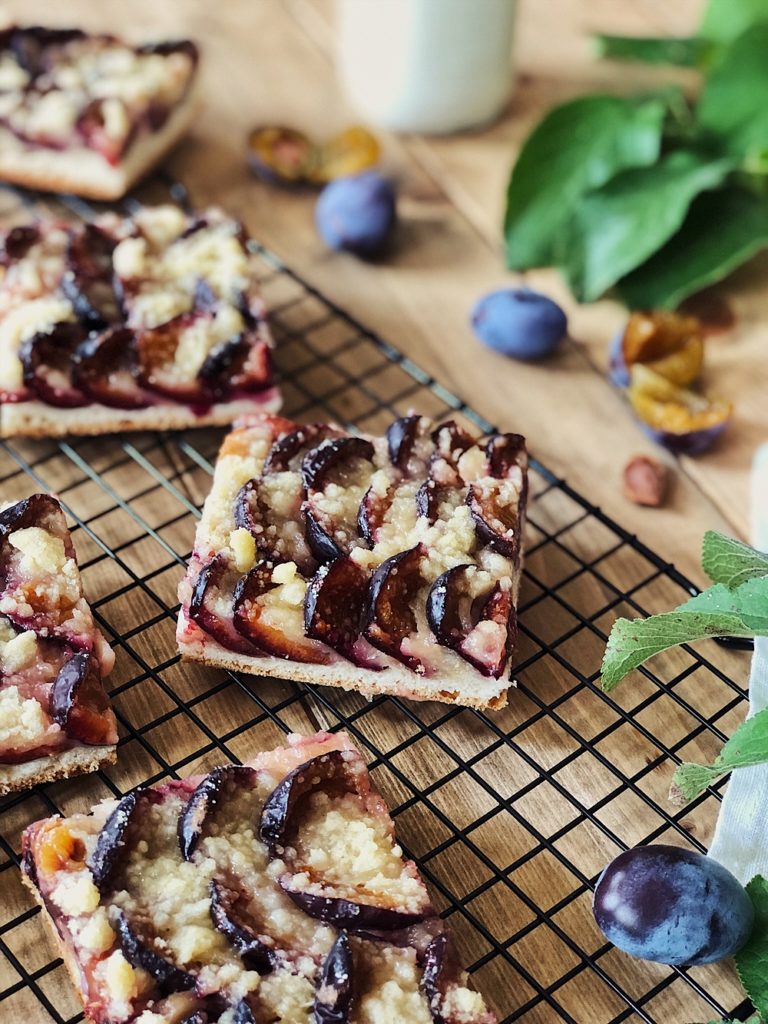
(139, 949)
(231, 916)
(288, 451)
(401, 439)
(120, 832)
(335, 774)
(333, 999)
(260, 616)
(211, 606)
(17, 242)
(335, 475)
(240, 363)
(105, 368)
(79, 703)
(373, 511)
(218, 785)
(37, 510)
(450, 441)
(494, 500)
(476, 623)
(333, 610)
(46, 359)
(389, 617)
(87, 281)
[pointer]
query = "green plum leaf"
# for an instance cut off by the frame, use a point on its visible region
(747, 747)
(752, 959)
(731, 562)
(723, 229)
(577, 147)
(616, 228)
(732, 107)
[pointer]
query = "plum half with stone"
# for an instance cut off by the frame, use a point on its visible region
(673, 906)
(519, 322)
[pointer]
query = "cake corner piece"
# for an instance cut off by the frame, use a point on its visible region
(387, 565)
(55, 718)
(167, 906)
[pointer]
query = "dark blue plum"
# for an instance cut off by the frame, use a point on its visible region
(519, 322)
(357, 214)
(673, 906)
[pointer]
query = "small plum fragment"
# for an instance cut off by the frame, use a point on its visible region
(333, 999)
(105, 368)
(88, 280)
(211, 604)
(79, 703)
(357, 214)
(372, 512)
(252, 618)
(194, 820)
(683, 421)
(673, 906)
(334, 605)
(287, 451)
(139, 950)
(436, 962)
(519, 322)
(17, 242)
(46, 358)
(401, 437)
(120, 831)
(229, 912)
(389, 617)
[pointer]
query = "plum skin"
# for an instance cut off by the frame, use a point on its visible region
(519, 322)
(672, 906)
(357, 214)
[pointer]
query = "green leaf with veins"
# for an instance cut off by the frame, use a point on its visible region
(577, 147)
(754, 1019)
(731, 562)
(722, 230)
(752, 959)
(747, 747)
(616, 228)
(732, 106)
(748, 602)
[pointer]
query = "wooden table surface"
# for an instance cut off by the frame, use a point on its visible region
(271, 61)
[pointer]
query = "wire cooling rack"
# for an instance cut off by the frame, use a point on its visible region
(510, 815)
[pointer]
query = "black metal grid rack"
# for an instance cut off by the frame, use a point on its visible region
(510, 815)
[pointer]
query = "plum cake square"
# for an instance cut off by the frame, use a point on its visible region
(90, 114)
(152, 321)
(389, 565)
(55, 719)
(257, 894)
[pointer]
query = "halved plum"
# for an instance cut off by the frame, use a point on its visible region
(87, 281)
(476, 623)
(17, 242)
(218, 784)
(79, 703)
(105, 368)
(140, 950)
(683, 421)
(334, 996)
(256, 617)
(389, 617)
(280, 156)
(230, 915)
(334, 605)
(668, 343)
(46, 358)
(212, 601)
(119, 834)
(331, 525)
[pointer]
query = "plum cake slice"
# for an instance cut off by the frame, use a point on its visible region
(381, 564)
(90, 114)
(262, 893)
(55, 719)
(152, 321)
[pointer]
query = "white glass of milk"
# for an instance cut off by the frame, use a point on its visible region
(426, 65)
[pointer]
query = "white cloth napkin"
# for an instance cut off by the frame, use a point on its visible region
(741, 835)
